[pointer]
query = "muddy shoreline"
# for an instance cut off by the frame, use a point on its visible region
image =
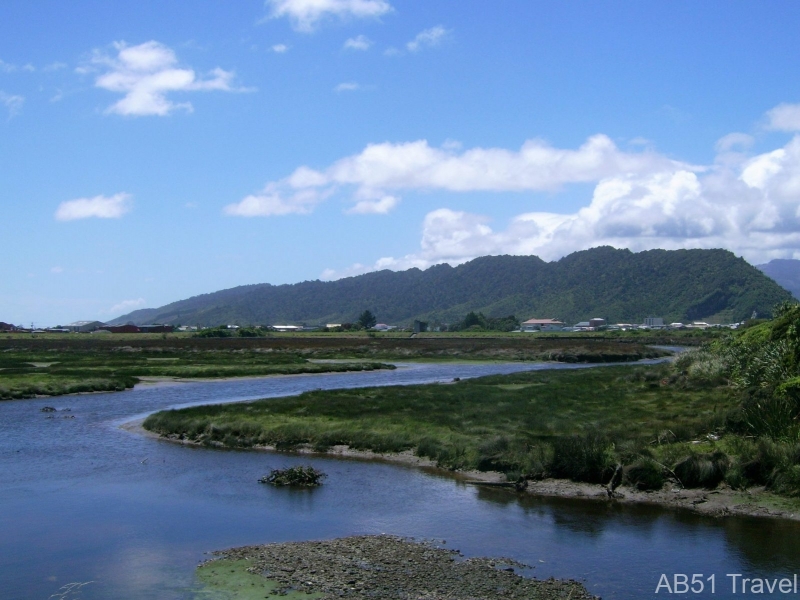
(383, 566)
(719, 503)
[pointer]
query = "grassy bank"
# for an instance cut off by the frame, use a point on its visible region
(726, 412)
(68, 363)
(45, 371)
(570, 423)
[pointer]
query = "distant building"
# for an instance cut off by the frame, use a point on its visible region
(420, 326)
(287, 327)
(156, 328)
(597, 322)
(332, 325)
(654, 322)
(542, 325)
(84, 326)
(121, 328)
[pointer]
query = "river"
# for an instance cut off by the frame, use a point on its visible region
(82, 500)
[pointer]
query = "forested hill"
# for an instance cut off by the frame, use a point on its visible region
(786, 271)
(618, 285)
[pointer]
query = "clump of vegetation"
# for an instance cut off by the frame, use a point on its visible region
(646, 475)
(299, 476)
(702, 470)
(478, 322)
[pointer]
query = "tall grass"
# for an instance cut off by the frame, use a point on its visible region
(574, 424)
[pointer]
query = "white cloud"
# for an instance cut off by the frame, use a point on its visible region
(13, 103)
(7, 67)
(306, 15)
(734, 140)
(146, 74)
(384, 169)
(751, 207)
(349, 86)
(126, 306)
(280, 48)
(270, 202)
(57, 270)
(360, 42)
(784, 117)
(374, 207)
(428, 38)
(101, 207)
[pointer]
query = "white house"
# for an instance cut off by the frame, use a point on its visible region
(542, 325)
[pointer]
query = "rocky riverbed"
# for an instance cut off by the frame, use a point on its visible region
(369, 567)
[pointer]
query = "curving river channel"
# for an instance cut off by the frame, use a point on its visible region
(82, 500)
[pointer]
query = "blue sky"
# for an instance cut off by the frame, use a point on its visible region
(153, 151)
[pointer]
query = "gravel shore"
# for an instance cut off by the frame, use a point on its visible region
(370, 567)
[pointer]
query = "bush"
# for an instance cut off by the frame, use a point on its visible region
(588, 458)
(645, 475)
(702, 470)
(294, 476)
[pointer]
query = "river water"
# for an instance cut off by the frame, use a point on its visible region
(82, 500)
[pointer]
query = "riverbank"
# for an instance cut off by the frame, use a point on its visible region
(720, 502)
(367, 567)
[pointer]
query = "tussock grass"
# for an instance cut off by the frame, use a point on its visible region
(574, 424)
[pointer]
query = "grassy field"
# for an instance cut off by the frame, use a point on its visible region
(568, 423)
(57, 364)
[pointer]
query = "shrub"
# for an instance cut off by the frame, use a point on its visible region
(294, 476)
(587, 458)
(646, 475)
(702, 470)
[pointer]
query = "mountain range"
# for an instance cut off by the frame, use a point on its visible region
(786, 271)
(618, 285)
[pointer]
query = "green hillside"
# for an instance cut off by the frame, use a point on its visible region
(618, 285)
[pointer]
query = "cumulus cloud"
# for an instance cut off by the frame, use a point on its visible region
(784, 117)
(428, 38)
(146, 74)
(752, 209)
(101, 207)
(12, 102)
(306, 15)
(360, 42)
(280, 48)
(382, 170)
(126, 306)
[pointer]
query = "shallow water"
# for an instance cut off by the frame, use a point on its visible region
(83, 500)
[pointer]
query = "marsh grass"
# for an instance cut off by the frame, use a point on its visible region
(52, 372)
(573, 424)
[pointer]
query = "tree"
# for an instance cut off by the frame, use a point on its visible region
(367, 320)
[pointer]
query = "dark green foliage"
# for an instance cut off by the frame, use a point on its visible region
(645, 475)
(618, 285)
(478, 322)
(367, 320)
(587, 458)
(294, 476)
(214, 332)
(702, 470)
